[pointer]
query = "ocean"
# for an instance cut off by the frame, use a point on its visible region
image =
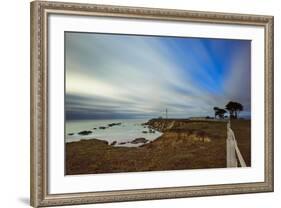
(122, 131)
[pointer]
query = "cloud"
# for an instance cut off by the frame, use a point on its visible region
(119, 76)
(238, 83)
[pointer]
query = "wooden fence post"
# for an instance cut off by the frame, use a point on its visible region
(231, 160)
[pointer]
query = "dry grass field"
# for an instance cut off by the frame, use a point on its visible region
(242, 131)
(185, 144)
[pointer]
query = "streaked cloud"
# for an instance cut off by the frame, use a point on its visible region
(125, 76)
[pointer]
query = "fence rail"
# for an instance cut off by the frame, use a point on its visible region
(232, 151)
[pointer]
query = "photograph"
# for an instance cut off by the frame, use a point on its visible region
(137, 103)
(134, 103)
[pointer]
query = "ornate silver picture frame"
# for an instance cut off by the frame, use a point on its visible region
(40, 104)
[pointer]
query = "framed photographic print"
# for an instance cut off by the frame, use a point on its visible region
(144, 103)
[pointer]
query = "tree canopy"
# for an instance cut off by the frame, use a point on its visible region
(219, 112)
(234, 108)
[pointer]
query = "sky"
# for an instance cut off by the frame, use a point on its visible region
(110, 76)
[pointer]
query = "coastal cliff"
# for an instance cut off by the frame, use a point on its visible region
(187, 130)
(163, 124)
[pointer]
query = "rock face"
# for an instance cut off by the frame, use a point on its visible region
(70, 134)
(166, 124)
(102, 127)
(113, 143)
(197, 131)
(85, 132)
(139, 140)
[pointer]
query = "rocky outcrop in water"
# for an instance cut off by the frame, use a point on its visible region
(139, 140)
(114, 124)
(151, 131)
(121, 143)
(84, 132)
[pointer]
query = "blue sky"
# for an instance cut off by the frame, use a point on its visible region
(128, 76)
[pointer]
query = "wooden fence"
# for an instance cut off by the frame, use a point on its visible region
(232, 151)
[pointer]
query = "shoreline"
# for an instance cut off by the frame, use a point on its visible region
(150, 127)
(120, 132)
(183, 145)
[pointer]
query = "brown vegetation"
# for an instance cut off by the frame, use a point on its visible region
(184, 144)
(242, 131)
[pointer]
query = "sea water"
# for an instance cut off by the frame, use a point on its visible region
(127, 131)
